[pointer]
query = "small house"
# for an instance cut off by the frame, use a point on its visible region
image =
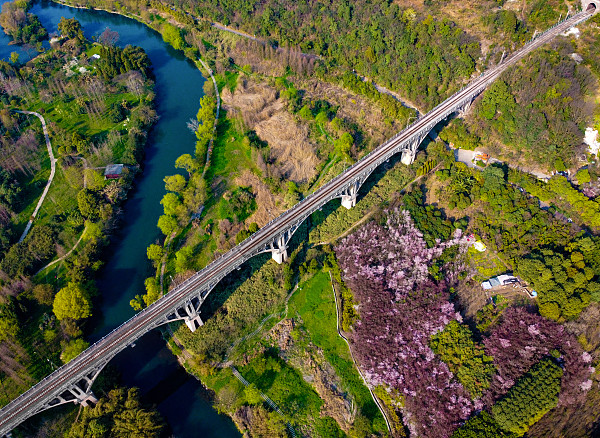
(113, 171)
(500, 280)
(481, 157)
(479, 246)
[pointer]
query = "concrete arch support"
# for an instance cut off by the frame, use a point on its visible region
(189, 311)
(350, 193)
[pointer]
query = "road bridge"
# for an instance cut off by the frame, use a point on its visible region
(72, 382)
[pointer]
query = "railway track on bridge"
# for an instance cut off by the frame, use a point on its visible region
(95, 357)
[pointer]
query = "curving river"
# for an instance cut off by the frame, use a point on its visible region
(181, 399)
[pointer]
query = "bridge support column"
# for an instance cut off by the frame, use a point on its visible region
(410, 151)
(84, 398)
(279, 248)
(192, 318)
(350, 193)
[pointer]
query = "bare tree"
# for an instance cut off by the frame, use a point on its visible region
(108, 37)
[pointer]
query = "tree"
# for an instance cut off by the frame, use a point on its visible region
(152, 290)
(465, 359)
(108, 37)
(73, 349)
(175, 183)
(89, 204)
(530, 398)
(167, 224)
(583, 176)
(71, 28)
(172, 35)
(305, 113)
(133, 421)
(344, 144)
(93, 231)
(182, 258)
(186, 162)
(14, 58)
(72, 301)
(9, 322)
(252, 394)
(482, 426)
(172, 205)
(155, 253)
(44, 294)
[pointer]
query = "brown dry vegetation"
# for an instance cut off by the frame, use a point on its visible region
(259, 105)
(255, 102)
(267, 204)
(291, 151)
(366, 114)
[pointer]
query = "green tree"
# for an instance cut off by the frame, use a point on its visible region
(71, 28)
(73, 349)
(186, 162)
(72, 301)
(305, 113)
(344, 144)
(93, 231)
(465, 359)
(9, 322)
(89, 204)
(530, 398)
(183, 258)
(152, 290)
(252, 395)
(167, 224)
(175, 183)
(155, 253)
(583, 176)
(481, 426)
(44, 294)
(172, 205)
(172, 35)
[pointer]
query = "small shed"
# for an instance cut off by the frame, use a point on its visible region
(113, 171)
(500, 280)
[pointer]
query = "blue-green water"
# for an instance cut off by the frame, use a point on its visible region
(149, 365)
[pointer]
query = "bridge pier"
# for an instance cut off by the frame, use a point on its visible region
(84, 398)
(279, 247)
(192, 319)
(349, 195)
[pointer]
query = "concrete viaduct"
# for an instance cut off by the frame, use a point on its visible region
(72, 382)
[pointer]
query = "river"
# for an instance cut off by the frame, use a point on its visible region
(149, 365)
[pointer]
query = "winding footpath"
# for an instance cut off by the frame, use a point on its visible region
(210, 143)
(52, 172)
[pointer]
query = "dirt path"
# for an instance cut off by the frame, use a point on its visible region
(63, 257)
(52, 171)
(210, 143)
(237, 32)
(337, 323)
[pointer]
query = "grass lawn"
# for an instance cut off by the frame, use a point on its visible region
(315, 304)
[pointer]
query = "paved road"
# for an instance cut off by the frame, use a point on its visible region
(52, 171)
(149, 318)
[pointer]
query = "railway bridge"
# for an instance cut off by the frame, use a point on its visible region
(72, 382)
